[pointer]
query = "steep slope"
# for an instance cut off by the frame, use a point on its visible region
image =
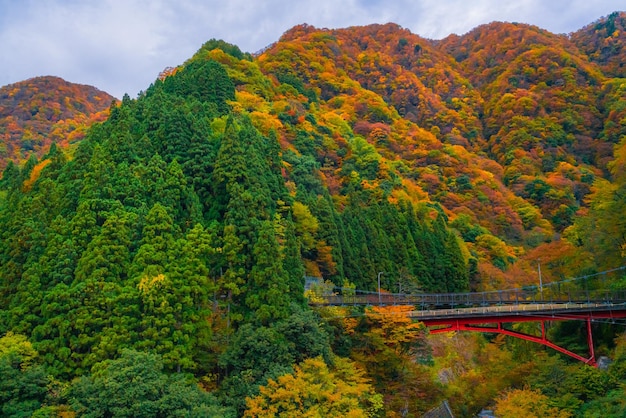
(542, 119)
(604, 42)
(439, 150)
(420, 82)
(486, 49)
(40, 111)
(508, 136)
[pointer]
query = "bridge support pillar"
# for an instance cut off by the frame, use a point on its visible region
(592, 353)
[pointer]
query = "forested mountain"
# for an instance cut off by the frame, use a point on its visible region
(603, 42)
(43, 110)
(177, 232)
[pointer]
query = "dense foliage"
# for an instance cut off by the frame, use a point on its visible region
(170, 246)
(43, 110)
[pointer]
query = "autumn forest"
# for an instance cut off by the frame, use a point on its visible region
(154, 250)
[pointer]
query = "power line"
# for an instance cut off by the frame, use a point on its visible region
(349, 290)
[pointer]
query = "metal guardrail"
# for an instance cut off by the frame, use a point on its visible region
(428, 301)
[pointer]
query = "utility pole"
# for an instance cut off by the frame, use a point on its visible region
(540, 280)
(379, 298)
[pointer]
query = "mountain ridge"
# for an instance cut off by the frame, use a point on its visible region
(39, 111)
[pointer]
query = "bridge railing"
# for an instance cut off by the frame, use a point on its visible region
(452, 300)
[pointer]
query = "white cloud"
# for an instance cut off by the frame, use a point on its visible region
(121, 45)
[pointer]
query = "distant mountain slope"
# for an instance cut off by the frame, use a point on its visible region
(507, 126)
(543, 116)
(604, 41)
(37, 112)
(418, 80)
(523, 103)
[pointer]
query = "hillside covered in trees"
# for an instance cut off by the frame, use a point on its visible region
(168, 236)
(38, 112)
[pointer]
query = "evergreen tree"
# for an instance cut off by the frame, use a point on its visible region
(98, 183)
(292, 264)
(151, 267)
(206, 80)
(72, 175)
(193, 274)
(419, 230)
(175, 133)
(99, 284)
(456, 266)
(267, 290)
(331, 231)
(199, 168)
(11, 177)
(157, 240)
(234, 274)
(230, 166)
(28, 167)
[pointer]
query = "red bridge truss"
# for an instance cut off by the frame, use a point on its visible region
(492, 320)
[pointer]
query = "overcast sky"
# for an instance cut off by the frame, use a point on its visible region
(120, 46)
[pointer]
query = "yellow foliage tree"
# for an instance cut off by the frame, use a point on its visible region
(527, 403)
(314, 390)
(17, 345)
(395, 328)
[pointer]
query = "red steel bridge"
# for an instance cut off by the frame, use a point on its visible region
(488, 312)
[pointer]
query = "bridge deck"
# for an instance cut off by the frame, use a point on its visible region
(523, 312)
